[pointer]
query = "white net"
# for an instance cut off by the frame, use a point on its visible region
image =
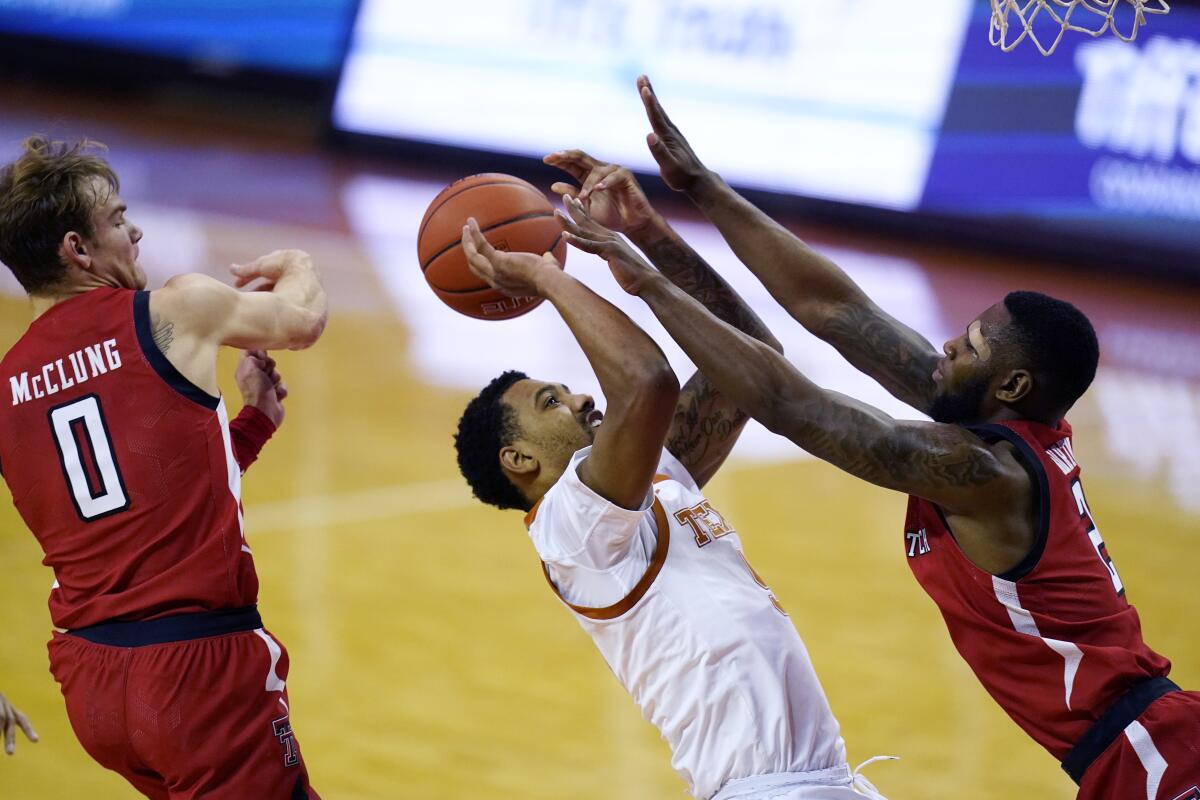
(1045, 22)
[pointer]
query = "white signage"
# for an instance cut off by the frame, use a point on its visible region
(839, 100)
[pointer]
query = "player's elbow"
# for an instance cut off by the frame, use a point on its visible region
(657, 384)
(305, 328)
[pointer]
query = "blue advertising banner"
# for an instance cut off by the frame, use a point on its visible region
(1099, 140)
(298, 37)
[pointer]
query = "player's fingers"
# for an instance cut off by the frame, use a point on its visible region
(26, 726)
(281, 391)
(595, 177)
(585, 244)
(617, 175)
(482, 245)
(575, 163)
(564, 189)
(654, 110)
(10, 734)
(658, 149)
(582, 218)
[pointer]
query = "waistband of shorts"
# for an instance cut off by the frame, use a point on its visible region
(1112, 722)
(179, 628)
(754, 786)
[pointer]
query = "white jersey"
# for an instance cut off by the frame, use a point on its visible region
(689, 629)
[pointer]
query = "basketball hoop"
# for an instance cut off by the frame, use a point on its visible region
(1015, 18)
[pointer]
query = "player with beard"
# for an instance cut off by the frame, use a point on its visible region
(998, 530)
(650, 569)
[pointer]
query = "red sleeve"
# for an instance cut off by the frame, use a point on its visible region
(248, 433)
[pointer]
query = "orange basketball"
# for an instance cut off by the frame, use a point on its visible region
(513, 216)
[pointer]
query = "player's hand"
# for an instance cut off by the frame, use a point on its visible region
(609, 192)
(514, 274)
(270, 267)
(678, 163)
(10, 720)
(261, 384)
(630, 269)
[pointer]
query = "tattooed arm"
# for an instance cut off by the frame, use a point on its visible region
(982, 486)
(813, 289)
(707, 423)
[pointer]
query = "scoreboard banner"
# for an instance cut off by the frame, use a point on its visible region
(806, 96)
(865, 102)
(1100, 140)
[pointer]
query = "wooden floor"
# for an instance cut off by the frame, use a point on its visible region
(429, 659)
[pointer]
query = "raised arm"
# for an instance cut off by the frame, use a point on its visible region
(193, 315)
(707, 423)
(290, 312)
(633, 372)
(942, 463)
(813, 289)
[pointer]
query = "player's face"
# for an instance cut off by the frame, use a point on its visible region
(965, 376)
(553, 421)
(113, 245)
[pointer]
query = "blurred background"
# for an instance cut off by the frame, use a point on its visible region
(429, 660)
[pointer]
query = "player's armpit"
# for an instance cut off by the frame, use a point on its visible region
(896, 356)
(705, 428)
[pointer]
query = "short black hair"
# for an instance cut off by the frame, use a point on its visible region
(488, 424)
(1060, 344)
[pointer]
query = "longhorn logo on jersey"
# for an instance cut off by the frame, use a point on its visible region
(705, 521)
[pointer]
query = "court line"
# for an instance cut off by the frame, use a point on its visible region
(365, 505)
(384, 502)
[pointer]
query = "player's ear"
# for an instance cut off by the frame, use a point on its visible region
(1017, 386)
(73, 251)
(517, 462)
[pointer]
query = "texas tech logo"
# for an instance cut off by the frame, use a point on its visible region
(282, 728)
(918, 543)
(1191, 794)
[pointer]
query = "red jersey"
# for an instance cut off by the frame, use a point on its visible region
(122, 468)
(1054, 641)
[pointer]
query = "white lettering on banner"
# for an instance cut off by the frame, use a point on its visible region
(1143, 103)
(86, 363)
(771, 72)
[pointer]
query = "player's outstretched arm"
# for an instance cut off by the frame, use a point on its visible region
(288, 312)
(813, 289)
(707, 423)
(10, 720)
(637, 380)
(943, 463)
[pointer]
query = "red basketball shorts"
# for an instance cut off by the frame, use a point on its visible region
(1157, 756)
(203, 718)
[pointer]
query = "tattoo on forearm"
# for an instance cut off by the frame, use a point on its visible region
(707, 423)
(164, 335)
(904, 458)
(901, 360)
(704, 426)
(687, 270)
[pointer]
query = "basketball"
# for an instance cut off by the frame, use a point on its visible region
(512, 214)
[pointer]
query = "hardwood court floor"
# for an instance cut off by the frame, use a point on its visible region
(429, 659)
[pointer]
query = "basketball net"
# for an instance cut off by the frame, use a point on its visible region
(1013, 20)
